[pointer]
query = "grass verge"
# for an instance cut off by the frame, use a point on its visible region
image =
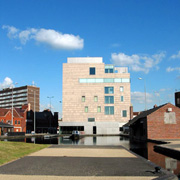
(13, 150)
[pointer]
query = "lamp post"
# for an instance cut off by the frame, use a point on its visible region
(50, 109)
(144, 91)
(12, 104)
(50, 100)
(34, 111)
(34, 92)
(60, 108)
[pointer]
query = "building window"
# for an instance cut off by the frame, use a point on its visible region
(104, 80)
(18, 122)
(124, 113)
(92, 70)
(83, 99)
(108, 80)
(109, 110)
(86, 109)
(122, 98)
(109, 100)
(15, 121)
(109, 69)
(95, 99)
(121, 88)
(109, 90)
(99, 109)
(91, 119)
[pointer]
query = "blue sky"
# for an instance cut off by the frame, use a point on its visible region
(37, 36)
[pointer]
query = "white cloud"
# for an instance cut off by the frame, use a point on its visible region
(50, 37)
(137, 62)
(139, 97)
(18, 48)
(175, 56)
(115, 45)
(170, 69)
(6, 83)
(12, 31)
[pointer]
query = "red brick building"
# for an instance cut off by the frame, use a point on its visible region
(19, 119)
(162, 122)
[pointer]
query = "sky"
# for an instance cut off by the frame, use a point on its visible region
(37, 37)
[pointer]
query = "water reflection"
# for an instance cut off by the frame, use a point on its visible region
(97, 140)
(146, 150)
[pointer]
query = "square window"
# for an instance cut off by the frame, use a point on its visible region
(92, 70)
(109, 90)
(109, 110)
(109, 100)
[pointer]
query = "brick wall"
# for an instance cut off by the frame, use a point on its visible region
(21, 127)
(156, 127)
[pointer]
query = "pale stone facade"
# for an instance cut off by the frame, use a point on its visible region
(84, 93)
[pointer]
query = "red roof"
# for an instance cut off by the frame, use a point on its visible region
(17, 112)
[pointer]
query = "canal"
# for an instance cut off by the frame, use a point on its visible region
(145, 150)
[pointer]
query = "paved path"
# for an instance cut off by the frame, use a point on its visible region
(80, 162)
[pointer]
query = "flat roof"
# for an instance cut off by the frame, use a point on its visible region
(85, 60)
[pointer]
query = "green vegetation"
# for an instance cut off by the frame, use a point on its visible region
(13, 150)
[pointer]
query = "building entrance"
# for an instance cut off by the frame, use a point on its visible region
(94, 129)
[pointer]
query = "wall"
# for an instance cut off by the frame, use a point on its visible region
(74, 108)
(104, 128)
(158, 129)
(17, 127)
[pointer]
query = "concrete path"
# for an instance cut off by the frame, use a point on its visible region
(80, 162)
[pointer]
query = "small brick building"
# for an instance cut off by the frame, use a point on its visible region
(162, 122)
(19, 119)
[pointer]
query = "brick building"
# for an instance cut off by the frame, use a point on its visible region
(19, 96)
(96, 96)
(19, 119)
(162, 122)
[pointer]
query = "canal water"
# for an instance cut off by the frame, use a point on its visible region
(145, 150)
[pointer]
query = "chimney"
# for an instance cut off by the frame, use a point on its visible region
(155, 106)
(131, 112)
(29, 106)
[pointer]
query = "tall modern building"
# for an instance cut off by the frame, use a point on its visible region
(96, 96)
(20, 96)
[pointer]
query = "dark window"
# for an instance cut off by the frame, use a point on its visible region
(91, 119)
(69, 129)
(109, 100)
(109, 90)
(15, 121)
(124, 113)
(92, 70)
(18, 122)
(109, 110)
